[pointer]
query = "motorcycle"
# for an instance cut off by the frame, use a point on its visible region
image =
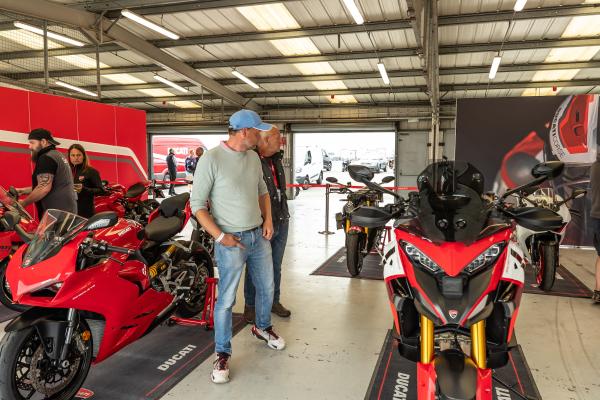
(541, 248)
(455, 274)
(359, 239)
(128, 203)
(94, 286)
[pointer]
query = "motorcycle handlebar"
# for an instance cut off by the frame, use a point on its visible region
(103, 246)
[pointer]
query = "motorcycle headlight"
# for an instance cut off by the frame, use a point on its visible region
(485, 259)
(417, 257)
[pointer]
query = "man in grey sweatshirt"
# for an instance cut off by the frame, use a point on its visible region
(595, 221)
(230, 178)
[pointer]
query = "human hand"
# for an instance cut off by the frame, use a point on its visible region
(268, 229)
(230, 240)
(78, 187)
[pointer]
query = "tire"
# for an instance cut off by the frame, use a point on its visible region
(13, 345)
(546, 265)
(320, 180)
(306, 183)
(355, 242)
(372, 238)
(193, 304)
(5, 294)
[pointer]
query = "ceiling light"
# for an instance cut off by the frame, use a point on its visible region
(519, 5)
(383, 72)
(52, 35)
(494, 68)
(330, 85)
(149, 24)
(28, 39)
(269, 17)
(315, 68)
(75, 88)
(156, 92)
(354, 11)
(295, 47)
(172, 84)
(245, 79)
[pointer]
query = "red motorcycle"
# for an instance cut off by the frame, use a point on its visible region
(129, 203)
(454, 274)
(10, 241)
(94, 286)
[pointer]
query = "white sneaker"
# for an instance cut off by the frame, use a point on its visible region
(273, 340)
(220, 373)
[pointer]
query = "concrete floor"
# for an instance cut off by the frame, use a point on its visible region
(338, 326)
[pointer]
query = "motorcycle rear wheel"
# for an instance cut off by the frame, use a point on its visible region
(193, 303)
(355, 242)
(546, 265)
(24, 365)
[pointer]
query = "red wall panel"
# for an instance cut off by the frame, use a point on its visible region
(96, 122)
(54, 113)
(15, 110)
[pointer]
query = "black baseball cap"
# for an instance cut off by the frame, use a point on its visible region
(39, 134)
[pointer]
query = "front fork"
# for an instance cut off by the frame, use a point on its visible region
(426, 376)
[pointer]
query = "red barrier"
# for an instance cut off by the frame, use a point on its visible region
(296, 185)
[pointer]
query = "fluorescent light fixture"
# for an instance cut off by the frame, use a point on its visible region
(149, 24)
(330, 85)
(28, 39)
(123, 79)
(494, 68)
(75, 88)
(169, 83)
(81, 61)
(315, 68)
(269, 17)
(383, 72)
(343, 99)
(52, 35)
(354, 11)
(295, 47)
(156, 92)
(519, 5)
(245, 79)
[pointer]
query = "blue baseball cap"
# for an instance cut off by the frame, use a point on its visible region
(247, 119)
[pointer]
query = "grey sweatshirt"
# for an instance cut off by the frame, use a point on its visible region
(232, 181)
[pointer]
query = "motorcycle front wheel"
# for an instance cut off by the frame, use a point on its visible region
(546, 265)
(27, 373)
(355, 242)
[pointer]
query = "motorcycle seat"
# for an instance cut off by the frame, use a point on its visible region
(170, 219)
(135, 190)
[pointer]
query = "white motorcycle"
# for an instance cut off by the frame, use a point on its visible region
(541, 248)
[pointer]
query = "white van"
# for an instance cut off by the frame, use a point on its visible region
(310, 163)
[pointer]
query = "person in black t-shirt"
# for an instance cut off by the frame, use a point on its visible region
(86, 180)
(51, 181)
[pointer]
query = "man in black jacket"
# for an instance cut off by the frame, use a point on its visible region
(172, 167)
(274, 175)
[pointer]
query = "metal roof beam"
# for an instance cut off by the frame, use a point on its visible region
(44, 9)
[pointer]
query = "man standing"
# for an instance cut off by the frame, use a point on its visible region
(190, 167)
(52, 180)
(230, 177)
(274, 175)
(172, 167)
(595, 221)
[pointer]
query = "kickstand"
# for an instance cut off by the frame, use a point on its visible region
(511, 389)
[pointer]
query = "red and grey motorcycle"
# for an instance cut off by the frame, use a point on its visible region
(454, 274)
(129, 203)
(94, 286)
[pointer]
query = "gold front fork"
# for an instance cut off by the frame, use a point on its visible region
(478, 341)
(426, 340)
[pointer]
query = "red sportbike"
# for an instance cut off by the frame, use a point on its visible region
(129, 203)
(10, 241)
(454, 274)
(94, 286)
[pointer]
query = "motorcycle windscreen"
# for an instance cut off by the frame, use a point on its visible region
(56, 229)
(451, 208)
(13, 205)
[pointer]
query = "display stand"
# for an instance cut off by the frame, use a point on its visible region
(208, 314)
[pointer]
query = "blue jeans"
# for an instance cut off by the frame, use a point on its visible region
(278, 242)
(230, 263)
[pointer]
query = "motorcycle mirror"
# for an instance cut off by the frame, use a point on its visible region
(13, 192)
(331, 179)
(360, 173)
(101, 220)
(10, 220)
(549, 169)
(578, 193)
(388, 179)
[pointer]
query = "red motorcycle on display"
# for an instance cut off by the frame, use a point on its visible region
(129, 203)
(10, 241)
(94, 286)
(454, 274)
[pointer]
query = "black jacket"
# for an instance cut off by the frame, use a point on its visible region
(279, 207)
(172, 166)
(92, 186)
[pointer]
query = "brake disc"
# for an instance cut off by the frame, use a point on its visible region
(51, 380)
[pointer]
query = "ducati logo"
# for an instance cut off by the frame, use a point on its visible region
(453, 314)
(84, 394)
